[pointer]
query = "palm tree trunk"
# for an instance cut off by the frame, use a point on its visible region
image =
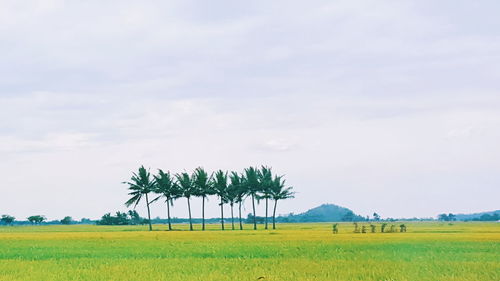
(168, 214)
(266, 212)
(241, 223)
(274, 214)
(189, 209)
(254, 217)
(149, 213)
(222, 213)
(203, 213)
(232, 216)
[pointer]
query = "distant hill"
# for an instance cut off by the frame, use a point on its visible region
(476, 216)
(323, 213)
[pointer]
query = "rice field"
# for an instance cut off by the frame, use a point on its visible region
(428, 251)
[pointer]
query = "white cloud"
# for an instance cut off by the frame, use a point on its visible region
(350, 100)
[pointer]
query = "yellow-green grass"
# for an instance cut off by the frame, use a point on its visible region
(428, 251)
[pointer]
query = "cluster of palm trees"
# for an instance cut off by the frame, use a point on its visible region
(230, 188)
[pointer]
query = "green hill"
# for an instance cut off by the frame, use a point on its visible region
(323, 213)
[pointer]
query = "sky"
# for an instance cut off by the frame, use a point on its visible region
(379, 106)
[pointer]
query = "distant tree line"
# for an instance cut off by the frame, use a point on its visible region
(232, 188)
(39, 220)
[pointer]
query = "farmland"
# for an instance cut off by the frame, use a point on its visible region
(428, 251)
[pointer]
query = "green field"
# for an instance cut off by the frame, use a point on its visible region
(428, 251)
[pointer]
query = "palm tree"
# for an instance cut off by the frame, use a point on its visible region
(188, 190)
(203, 188)
(252, 185)
(232, 194)
(237, 193)
(140, 185)
(220, 187)
(266, 183)
(279, 192)
(167, 187)
(231, 198)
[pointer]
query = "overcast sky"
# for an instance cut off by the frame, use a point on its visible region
(380, 106)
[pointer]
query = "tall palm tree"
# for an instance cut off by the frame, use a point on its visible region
(203, 188)
(237, 193)
(188, 190)
(252, 185)
(167, 187)
(279, 191)
(220, 187)
(140, 185)
(231, 198)
(232, 195)
(266, 183)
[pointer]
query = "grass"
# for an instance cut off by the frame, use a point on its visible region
(428, 251)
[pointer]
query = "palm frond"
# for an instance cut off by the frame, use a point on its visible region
(134, 200)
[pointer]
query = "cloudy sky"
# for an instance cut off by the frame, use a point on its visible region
(380, 106)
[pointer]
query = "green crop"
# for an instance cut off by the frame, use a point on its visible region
(428, 251)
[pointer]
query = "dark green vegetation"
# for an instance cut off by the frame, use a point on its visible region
(6, 219)
(37, 219)
(324, 213)
(447, 217)
(258, 184)
(67, 220)
(484, 216)
(130, 218)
